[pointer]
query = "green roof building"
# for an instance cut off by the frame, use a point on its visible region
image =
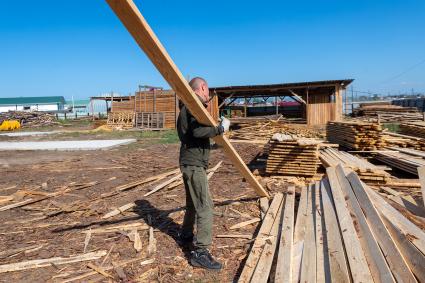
(41, 103)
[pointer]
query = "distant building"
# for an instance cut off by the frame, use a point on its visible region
(42, 103)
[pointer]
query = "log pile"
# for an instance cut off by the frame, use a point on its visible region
(343, 231)
(291, 155)
(30, 119)
(355, 135)
(413, 129)
(368, 172)
(389, 113)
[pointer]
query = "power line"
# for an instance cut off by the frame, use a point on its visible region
(405, 71)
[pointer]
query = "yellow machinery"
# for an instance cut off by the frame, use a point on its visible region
(9, 125)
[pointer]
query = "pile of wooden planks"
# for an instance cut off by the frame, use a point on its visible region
(368, 172)
(356, 135)
(389, 113)
(30, 118)
(406, 141)
(407, 160)
(343, 231)
(416, 129)
(291, 155)
(122, 120)
(264, 128)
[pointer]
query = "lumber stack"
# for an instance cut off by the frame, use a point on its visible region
(263, 128)
(407, 160)
(291, 155)
(416, 129)
(122, 120)
(405, 141)
(356, 135)
(389, 113)
(30, 119)
(343, 232)
(368, 172)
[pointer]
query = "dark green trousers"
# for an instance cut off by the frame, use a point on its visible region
(199, 206)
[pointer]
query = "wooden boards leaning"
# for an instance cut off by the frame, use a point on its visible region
(263, 234)
(284, 259)
(136, 24)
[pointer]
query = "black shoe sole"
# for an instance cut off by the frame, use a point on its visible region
(196, 264)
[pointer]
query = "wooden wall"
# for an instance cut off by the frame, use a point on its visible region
(323, 106)
(160, 101)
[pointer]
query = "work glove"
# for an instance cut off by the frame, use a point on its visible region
(224, 124)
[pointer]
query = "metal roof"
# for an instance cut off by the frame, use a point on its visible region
(32, 100)
(277, 89)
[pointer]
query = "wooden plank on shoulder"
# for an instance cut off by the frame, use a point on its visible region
(142, 33)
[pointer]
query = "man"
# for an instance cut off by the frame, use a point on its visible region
(194, 155)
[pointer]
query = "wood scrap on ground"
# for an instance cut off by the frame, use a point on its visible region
(37, 263)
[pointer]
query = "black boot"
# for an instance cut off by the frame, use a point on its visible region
(203, 258)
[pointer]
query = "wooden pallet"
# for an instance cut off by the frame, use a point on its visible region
(124, 120)
(150, 120)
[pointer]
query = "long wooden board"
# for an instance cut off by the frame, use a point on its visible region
(138, 27)
(356, 258)
(284, 260)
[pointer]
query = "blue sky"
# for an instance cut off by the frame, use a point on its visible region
(80, 48)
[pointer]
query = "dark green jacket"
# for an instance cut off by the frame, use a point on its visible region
(195, 139)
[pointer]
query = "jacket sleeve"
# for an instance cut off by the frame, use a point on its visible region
(182, 125)
(202, 131)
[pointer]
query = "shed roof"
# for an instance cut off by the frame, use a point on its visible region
(32, 100)
(277, 89)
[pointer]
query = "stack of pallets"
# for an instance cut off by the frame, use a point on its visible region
(356, 135)
(291, 155)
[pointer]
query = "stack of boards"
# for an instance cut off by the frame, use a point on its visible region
(291, 155)
(339, 231)
(405, 141)
(356, 135)
(404, 160)
(368, 172)
(414, 129)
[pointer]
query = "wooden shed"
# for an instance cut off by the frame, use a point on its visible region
(319, 101)
(155, 109)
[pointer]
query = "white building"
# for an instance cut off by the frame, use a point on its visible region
(43, 103)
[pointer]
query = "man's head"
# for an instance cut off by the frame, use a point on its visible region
(200, 87)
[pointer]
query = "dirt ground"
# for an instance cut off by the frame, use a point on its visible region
(54, 227)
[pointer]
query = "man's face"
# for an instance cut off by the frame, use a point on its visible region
(204, 93)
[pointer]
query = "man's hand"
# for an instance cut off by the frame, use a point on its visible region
(225, 123)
